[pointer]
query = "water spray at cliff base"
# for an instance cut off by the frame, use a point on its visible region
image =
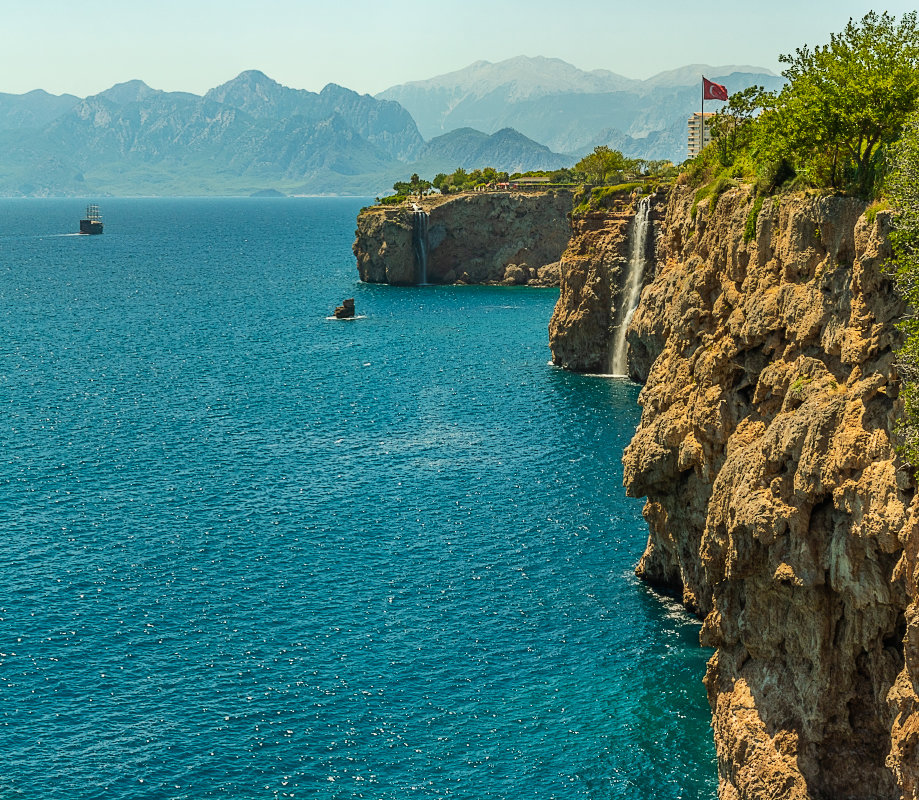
(618, 366)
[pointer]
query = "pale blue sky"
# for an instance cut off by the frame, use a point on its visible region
(368, 45)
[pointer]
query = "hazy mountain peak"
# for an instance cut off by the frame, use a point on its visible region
(250, 82)
(337, 90)
(33, 109)
(128, 92)
(567, 108)
(252, 77)
(41, 94)
(692, 73)
(255, 93)
(506, 149)
(522, 76)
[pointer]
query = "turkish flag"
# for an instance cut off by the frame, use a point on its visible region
(713, 91)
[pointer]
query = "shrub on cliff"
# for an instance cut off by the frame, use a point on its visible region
(604, 198)
(462, 181)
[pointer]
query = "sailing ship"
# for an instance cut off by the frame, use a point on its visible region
(93, 221)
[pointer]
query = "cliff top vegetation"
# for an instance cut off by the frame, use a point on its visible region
(847, 122)
(832, 124)
(902, 186)
(602, 169)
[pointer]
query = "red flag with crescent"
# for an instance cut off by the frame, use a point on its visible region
(713, 91)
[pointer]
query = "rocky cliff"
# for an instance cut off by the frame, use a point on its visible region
(594, 271)
(485, 237)
(777, 505)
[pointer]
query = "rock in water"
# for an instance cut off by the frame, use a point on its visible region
(345, 310)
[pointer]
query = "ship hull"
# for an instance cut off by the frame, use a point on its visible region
(90, 226)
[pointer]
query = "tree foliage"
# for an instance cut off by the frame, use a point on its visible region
(903, 190)
(602, 167)
(460, 180)
(732, 126)
(844, 101)
(605, 166)
(414, 186)
(843, 104)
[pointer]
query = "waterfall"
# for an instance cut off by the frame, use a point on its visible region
(629, 294)
(420, 242)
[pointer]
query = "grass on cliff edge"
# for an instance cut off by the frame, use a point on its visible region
(604, 198)
(712, 175)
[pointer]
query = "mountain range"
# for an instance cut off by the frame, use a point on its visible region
(252, 134)
(567, 109)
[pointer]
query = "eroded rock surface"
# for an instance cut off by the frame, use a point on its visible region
(487, 237)
(777, 505)
(593, 271)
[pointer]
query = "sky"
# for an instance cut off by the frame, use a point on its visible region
(368, 45)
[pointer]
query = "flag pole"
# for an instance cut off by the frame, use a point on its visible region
(702, 120)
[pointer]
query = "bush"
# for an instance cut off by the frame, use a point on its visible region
(721, 185)
(603, 197)
(871, 213)
(772, 175)
(750, 228)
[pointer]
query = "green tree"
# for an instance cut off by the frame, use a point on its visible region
(562, 176)
(490, 175)
(459, 178)
(662, 168)
(418, 185)
(844, 101)
(732, 125)
(414, 186)
(605, 166)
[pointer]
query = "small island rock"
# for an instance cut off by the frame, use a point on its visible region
(345, 310)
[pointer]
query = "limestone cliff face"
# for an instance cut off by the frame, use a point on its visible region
(594, 270)
(776, 503)
(494, 237)
(383, 246)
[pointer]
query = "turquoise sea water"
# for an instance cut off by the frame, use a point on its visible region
(249, 552)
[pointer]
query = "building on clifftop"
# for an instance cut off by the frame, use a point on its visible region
(695, 125)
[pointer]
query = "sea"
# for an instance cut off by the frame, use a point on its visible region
(249, 551)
